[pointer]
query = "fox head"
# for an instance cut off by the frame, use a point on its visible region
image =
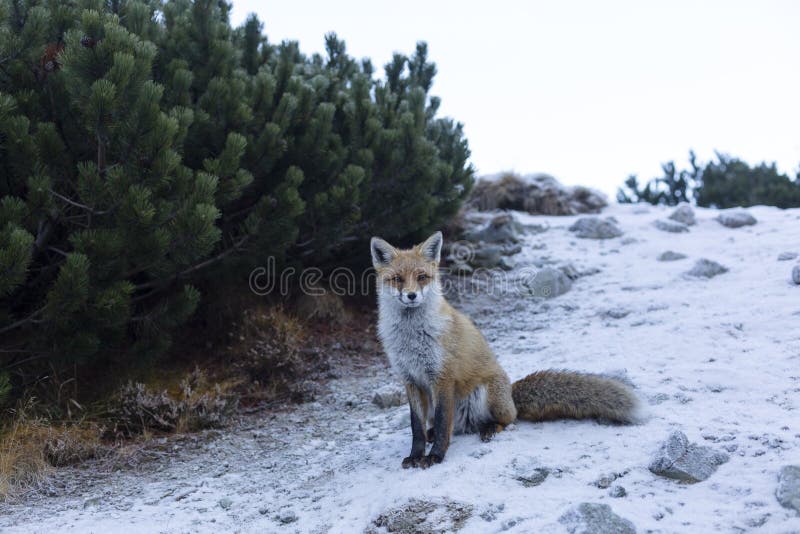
(409, 277)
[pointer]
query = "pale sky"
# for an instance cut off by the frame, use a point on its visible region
(587, 91)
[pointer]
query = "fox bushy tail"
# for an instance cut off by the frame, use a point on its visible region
(548, 395)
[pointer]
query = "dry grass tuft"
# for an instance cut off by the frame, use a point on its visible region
(31, 448)
(196, 405)
(326, 306)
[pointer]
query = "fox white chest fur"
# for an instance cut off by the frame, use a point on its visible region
(410, 336)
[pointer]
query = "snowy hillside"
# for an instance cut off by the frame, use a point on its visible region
(717, 358)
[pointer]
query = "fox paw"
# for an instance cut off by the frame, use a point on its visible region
(411, 461)
(488, 431)
(429, 460)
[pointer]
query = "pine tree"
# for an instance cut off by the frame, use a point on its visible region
(146, 145)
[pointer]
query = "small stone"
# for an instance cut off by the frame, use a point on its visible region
(615, 313)
(548, 283)
(683, 214)
(501, 229)
(671, 226)
(671, 256)
(796, 274)
(595, 228)
(506, 263)
(788, 492)
(736, 219)
(225, 503)
(389, 397)
(605, 481)
(263, 510)
(94, 501)
(707, 269)
(680, 460)
(593, 518)
(534, 478)
(417, 515)
(617, 492)
(787, 256)
(286, 518)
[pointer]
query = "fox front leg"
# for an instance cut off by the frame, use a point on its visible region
(442, 428)
(417, 403)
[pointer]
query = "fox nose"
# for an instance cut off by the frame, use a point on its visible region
(411, 296)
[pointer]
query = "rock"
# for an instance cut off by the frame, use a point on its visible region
(605, 481)
(423, 517)
(615, 313)
(94, 501)
(461, 269)
(617, 492)
(491, 512)
(787, 256)
(593, 518)
(501, 229)
(788, 492)
(735, 219)
(534, 478)
(225, 503)
(681, 460)
(573, 273)
(548, 283)
(486, 257)
(538, 194)
(707, 269)
(674, 227)
(684, 214)
(796, 274)
(286, 518)
(671, 256)
(389, 396)
(506, 263)
(595, 228)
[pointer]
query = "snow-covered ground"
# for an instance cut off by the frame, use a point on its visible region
(716, 358)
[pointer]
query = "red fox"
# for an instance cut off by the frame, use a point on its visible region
(453, 380)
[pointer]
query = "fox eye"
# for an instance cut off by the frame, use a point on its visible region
(397, 279)
(422, 277)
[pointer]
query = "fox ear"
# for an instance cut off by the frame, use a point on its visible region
(382, 252)
(431, 249)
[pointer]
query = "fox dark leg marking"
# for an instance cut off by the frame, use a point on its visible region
(442, 428)
(417, 428)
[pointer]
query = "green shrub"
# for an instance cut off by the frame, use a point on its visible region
(725, 183)
(146, 144)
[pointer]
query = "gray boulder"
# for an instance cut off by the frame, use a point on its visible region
(688, 462)
(735, 219)
(684, 214)
(796, 274)
(593, 518)
(788, 492)
(501, 229)
(706, 269)
(538, 194)
(787, 256)
(595, 228)
(671, 256)
(673, 227)
(423, 517)
(548, 283)
(486, 257)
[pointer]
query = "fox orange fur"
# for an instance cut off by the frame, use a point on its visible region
(453, 379)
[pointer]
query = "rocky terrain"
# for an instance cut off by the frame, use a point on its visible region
(697, 309)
